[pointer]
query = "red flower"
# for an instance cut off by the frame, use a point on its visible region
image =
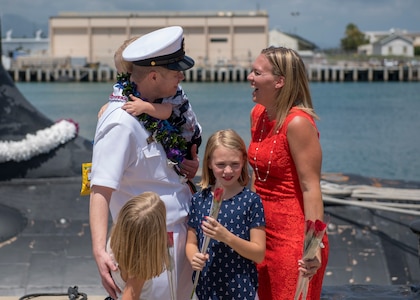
(310, 225)
(170, 239)
(218, 193)
(320, 227)
(216, 203)
(313, 235)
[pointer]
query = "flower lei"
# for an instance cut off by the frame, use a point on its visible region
(43, 141)
(162, 131)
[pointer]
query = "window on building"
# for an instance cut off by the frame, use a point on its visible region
(389, 50)
(405, 49)
(218, 40)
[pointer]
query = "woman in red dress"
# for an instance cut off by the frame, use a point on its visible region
(286, 156)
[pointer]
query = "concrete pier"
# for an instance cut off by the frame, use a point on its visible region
(363, 74)
(316, 73)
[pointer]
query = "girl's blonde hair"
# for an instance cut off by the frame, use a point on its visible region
(139, 239)
(288, 64)
(230, 139)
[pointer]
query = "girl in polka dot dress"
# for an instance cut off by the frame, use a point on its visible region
(227, 268)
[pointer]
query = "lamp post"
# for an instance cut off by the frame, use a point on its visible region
(295, 14)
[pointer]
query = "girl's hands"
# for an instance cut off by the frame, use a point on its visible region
(214, 229)
(198, 261)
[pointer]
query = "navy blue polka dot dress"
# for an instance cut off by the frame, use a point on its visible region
(227, 275)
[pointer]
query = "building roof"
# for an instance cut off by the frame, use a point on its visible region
(125, 14)
(393, 37)
(304, 44)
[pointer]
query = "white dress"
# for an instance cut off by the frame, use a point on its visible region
(116, 276)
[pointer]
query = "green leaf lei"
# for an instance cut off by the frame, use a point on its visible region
(162, 131)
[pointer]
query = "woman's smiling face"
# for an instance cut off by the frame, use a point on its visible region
(263, 81)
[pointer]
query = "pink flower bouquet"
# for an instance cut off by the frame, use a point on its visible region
(314, 232)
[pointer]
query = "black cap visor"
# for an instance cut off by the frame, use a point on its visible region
(181, 65)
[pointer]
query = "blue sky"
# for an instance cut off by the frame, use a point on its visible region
(322, 22)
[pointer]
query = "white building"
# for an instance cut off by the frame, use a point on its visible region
(395, 45)
(394, 42)
(392, 45)
(305, 48)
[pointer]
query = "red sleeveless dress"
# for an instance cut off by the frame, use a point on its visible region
(283, 206)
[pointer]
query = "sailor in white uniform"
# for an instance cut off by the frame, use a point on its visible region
(128, 160)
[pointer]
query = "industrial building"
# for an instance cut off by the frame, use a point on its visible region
(211, 38)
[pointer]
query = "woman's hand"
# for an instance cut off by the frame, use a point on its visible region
(309, 267)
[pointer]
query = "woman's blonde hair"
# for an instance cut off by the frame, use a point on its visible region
(139, 238)
(295, 92)
(230, 139)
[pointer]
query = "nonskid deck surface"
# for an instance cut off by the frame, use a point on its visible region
(373, 251)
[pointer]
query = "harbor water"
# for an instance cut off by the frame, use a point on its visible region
(368, 129)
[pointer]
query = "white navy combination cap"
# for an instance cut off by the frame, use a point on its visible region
(163, 47)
